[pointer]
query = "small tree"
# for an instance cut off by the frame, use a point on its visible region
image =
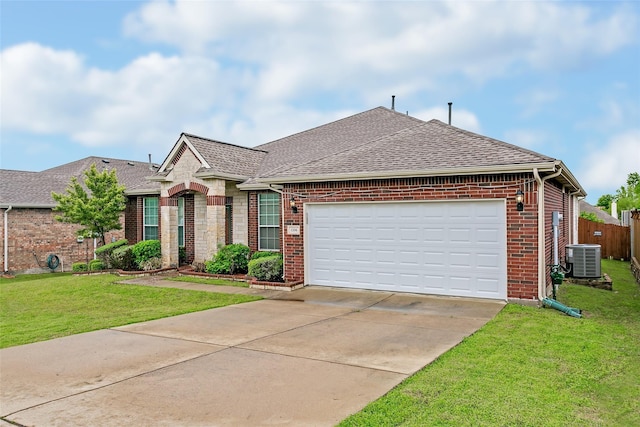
(626, 198)
(97, 211)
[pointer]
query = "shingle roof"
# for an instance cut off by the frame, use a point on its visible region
(332, 138)
(227, 159)
(34, 188)
(384, 141)
(608, 219)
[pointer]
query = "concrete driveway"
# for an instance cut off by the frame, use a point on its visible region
(307, 357)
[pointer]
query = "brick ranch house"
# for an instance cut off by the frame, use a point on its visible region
(29, 232)
(379, 200)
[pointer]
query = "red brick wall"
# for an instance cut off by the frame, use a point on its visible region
(559, 201)
(36, 230)
(131, 219)
(522, 249)
(252, 222)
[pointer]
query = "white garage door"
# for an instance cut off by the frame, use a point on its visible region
(443, 248)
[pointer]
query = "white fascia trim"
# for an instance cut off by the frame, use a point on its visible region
(572, 180)
(218, 175)
(256, 187)
(183, 139)
(142, 192)
(156, 178)
(529, 167)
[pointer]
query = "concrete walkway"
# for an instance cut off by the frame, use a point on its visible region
(310, 357)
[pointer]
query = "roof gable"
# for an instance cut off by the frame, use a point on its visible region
(215, 157)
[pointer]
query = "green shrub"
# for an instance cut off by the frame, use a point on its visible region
(96, 264)
(264, 254)
(230, 259)
(591, 216)
(105, 252)
(154, 263)
(269, 269)
(145, 250)
(122, 258)
(79, 266)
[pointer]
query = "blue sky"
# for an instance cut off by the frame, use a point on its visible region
(124, 78)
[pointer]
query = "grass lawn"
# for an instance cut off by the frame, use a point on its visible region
(207, 281)
(38, 308)
(532, 367)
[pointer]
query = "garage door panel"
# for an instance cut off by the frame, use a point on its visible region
(487, 261)
(408, 235)
(447, 248)
(487, 235)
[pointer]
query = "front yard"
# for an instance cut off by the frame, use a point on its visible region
(38, 308)
(527, 367)
(532, 367)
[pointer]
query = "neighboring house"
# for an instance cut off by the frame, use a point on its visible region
(379, 200)
(601, 214)
(29, 232)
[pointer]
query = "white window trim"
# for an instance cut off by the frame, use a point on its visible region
(260, 227)
(181, 220)
(144, 218)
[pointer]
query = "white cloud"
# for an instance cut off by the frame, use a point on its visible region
(51, 92)
(460, 118)
(329, 43)
(536, 100)
(526, 138)
(244, 71)
(605, 168)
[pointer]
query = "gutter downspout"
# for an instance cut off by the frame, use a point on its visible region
(541, 246)
(6, 238)
(574, 218)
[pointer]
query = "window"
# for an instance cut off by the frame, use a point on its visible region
(150, 213)
(268, 222)
(180, 221)
(228, 215)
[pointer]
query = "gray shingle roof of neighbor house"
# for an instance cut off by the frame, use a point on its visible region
(608, 219)
(33, 189)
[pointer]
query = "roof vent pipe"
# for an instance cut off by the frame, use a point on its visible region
(393, 102)
(150, 164)
(450, 113)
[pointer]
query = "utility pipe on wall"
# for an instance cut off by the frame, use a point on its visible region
(575, 214)
(542, 273)
(6, 239)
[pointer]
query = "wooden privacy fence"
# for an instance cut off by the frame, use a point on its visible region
(635, 231)
(615, 240)
(635, 244)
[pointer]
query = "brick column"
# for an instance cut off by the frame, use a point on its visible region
(215, 225)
